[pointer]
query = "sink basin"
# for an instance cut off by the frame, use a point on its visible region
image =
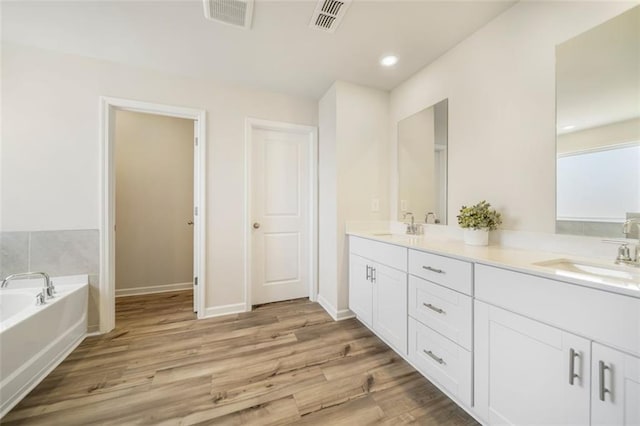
(383, 234)
(602, 273)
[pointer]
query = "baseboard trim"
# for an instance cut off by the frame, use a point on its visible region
(216, 311)
(337, 315)
(137, 291)
(93, 330)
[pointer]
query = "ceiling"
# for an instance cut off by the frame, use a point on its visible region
(598, 75)
(280, 52)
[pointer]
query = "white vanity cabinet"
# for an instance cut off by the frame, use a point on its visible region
(615, 392)
(527, 372)
(361, 288)
(440, 321)
(378, 289)
(541, 353)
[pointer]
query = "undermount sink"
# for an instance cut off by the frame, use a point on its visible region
(382, 234)
(606, 274)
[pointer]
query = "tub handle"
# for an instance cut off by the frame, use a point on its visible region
(40, 299)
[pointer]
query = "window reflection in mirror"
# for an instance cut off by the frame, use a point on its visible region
(598, 129)
(422, 164)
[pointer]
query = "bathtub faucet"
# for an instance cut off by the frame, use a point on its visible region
(49, 289)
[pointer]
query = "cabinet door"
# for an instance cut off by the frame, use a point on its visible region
(527, 372)
(360, 288)
(390, 305)
(615, 393)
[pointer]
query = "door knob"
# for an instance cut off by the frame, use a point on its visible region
(256, 225)
(190, 222)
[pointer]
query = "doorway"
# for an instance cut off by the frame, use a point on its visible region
(154, 203)
(281, 212)
(110, 107)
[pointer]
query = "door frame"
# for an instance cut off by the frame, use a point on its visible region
(108, 107)
(252, 124)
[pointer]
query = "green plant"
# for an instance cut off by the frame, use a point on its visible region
(480, 216)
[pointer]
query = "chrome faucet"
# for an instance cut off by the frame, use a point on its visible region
(412, 228)
(624, 256)
(49, 289)
(433, 215)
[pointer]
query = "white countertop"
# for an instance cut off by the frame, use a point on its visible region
(515, 259)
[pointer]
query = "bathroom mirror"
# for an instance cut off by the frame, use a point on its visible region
(598, 129)
(422, 165)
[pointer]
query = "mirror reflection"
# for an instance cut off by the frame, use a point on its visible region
(598, 129)
(422, 165)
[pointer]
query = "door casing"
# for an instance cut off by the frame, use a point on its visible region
(108, 106)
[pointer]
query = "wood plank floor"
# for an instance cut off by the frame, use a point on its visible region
(282, 363)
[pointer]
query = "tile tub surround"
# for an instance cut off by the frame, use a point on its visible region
(14, 253)
(58, 253)
(54, 252)
(591, 229)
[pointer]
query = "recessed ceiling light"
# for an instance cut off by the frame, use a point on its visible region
(569, 127)
(389, 61)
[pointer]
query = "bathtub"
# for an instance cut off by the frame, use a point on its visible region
(36, 339)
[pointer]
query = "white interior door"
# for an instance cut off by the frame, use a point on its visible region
(280, 198)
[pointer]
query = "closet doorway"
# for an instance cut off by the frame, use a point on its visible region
(154, 203)
(153, 197)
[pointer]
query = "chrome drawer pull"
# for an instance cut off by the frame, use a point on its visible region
(433, 308)
(572, 365)
(429, 268)
(437, 359)
(369, 273)
(603, 390)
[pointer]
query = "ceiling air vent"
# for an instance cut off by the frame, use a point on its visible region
(328, 14)
(233, 12)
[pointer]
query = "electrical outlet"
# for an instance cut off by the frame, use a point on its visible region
(375, 205)
(403, 205)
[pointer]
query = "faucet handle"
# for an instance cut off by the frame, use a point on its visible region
(624, 254)
(40, 299)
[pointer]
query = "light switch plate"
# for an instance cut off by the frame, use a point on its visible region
(375, 204)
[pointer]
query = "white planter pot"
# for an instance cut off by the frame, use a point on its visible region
(476, 237)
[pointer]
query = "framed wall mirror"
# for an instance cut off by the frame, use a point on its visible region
(598, 129)
(422, 165)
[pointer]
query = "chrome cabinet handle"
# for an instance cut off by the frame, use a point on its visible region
(433, 308)
(437, 359)
(572, 365)
(603, 390)
(373, 275)
(429, 268)
(368, 272)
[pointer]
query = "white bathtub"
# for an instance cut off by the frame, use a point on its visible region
(36, 339)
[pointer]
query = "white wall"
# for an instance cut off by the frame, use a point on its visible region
(154, 201)
(354, 170)
(327, 198)
(500, 83)
(598, 137)
(50, 162)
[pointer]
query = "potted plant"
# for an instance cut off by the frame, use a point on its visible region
(477, 221)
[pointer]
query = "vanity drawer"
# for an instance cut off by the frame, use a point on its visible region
(446, 311)
(441, 360)
(453, 273)
(605, 317)
(383, 253)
